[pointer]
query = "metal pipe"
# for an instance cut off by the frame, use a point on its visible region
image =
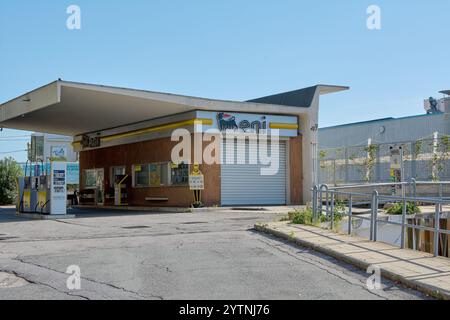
(374, 201)
(332, 211)
(320, 200)
(402, 245)
(413, 187)
(375, 223)
(387, 184)
(350, 213)
(436, 230)
(373, 216)
(314, 204)
(323, 187)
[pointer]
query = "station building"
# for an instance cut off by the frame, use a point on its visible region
(127, 135)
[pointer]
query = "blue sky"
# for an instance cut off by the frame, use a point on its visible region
(232, 50)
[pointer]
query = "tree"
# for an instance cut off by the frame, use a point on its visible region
(10, 170)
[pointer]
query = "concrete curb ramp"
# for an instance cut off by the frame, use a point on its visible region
(417, 270)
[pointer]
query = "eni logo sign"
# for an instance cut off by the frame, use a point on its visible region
(226, 121)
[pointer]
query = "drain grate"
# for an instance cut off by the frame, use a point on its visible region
(246, 218)
(7, 238)
(195, 222)
(136, 227)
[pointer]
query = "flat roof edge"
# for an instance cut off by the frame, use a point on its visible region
(36, 99)
(381, 120)
(327, 89)
(29, 92)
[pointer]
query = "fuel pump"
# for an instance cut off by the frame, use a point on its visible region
(43, 202)
(44, 193)
(28, 191)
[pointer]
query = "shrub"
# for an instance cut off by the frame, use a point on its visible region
(10, 170)
(302, 217)
(306, 216)
(397, 208)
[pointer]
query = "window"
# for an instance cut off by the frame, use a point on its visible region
(152, 175)
(36, 149)
(90, 180)
(93, 178)
(116, 172)
(180, 174)
(159, 174)
(141, 175)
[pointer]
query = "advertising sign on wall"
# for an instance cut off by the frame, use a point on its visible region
(250, 123)
(59, 152)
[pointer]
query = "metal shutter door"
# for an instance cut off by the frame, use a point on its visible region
(243, 184)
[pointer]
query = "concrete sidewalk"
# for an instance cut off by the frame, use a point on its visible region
(417, 270)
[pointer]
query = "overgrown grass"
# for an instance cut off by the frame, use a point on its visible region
(397, 208)
(302, 217)
(305, 217)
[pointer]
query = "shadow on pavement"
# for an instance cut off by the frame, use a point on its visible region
(8, 214)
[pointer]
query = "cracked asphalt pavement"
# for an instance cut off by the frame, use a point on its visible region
(200, 256)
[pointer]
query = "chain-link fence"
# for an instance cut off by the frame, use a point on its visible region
(425, 160)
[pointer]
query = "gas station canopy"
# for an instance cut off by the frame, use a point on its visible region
(71, 108)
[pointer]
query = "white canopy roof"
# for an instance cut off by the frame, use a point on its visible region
(71, 108)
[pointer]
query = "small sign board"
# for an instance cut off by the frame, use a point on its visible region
(58, 152)
(90, 142)
(396, 159)
(396, 169)
(58, 192)
(197, 182)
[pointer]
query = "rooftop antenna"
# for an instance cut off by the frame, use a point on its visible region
(446, 101)
(445, 92)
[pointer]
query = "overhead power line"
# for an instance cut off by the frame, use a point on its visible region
(14, 151)
(7, 137)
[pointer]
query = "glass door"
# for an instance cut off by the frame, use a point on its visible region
(100, 186)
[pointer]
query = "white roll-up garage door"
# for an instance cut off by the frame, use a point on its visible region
(243, 184)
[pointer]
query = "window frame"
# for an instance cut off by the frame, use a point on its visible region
(85, 173)
(134, 180)
(185, 184)
(96, 170)
(168, 174)
(112, 174)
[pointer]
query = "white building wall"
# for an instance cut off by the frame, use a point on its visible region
(384, 131)
(53, 140)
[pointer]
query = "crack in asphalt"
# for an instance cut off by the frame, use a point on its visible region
(323, 267)
(74, 224)
(86, 279)
(109, 236)
(38, 283)
(278, 245)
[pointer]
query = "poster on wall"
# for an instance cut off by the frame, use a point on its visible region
(155, 175)
(58, 152)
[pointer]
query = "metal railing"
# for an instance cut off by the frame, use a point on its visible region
(324, 202)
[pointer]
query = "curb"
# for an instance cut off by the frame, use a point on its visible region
(432, 291)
